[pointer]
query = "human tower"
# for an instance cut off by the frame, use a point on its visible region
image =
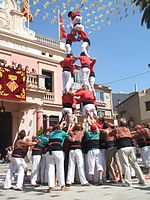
(86, 95)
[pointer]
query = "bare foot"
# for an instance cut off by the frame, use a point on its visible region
(49, 190)
(63, 188)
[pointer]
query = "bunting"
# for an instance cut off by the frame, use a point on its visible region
(98, 12)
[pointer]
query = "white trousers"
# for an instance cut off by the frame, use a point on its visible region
(96, 173)
(43, 170)
(85, 72)
(35, 168)
(94, 157)
(56, 158)
(66, 75)
(127, 157)
(76, 156)
(19, 165)
(76, 20)
(89, 109)
(78, 27)
(92, 81)
(85, 48)
(103, 154)
(145, 154)
(68, 49)
(67, 110)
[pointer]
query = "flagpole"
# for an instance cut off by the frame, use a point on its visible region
(58, 24)
(28, 14)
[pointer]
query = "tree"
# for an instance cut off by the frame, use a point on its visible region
(145, 8)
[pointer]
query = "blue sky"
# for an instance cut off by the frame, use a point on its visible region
(121, 49)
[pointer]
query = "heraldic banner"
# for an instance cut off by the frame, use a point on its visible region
(12, 84)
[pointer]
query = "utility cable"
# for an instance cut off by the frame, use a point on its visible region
(122, 79)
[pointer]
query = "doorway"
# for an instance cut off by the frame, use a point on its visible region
(5, 131)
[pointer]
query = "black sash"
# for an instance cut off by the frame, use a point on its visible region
(54, 145)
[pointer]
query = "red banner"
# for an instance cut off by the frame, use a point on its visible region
(62, 28)
(12, 84)
(26, 10)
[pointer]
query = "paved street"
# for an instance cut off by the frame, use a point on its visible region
(76, 192)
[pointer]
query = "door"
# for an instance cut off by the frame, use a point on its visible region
(5, 131)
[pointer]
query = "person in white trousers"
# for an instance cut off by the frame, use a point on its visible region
(76, 157)
(76, 18)
(17, 162)
(55, 157)
(66, 64)
(86, 62)
(36, 156)
(126, 152)
(142, 137)
(86, 42)
(69, 40)
(94, 155)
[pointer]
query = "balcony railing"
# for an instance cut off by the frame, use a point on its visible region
(48, 97)
(101, 103)
(32, 80)
(38, 82)
(47, 41)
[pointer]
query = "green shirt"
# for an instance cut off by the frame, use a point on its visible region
(92, 135)
(59, 134)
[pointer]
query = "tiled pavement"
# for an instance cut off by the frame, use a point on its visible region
(76, 192)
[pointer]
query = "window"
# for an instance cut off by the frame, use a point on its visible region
(99, 95)
(122, 114)
(48, 80)
(101, 113)
(53, 120)
(147, 104)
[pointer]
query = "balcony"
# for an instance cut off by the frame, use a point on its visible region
(48, 97)
(37, 82)
(32, 81)
(101, 103)
(45, 40)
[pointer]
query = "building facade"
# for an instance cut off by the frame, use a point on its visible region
(104, 101)
(117, 98)
(136, 108)
(42, 105)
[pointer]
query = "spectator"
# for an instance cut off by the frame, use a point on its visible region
(27, 69)
(33, 72)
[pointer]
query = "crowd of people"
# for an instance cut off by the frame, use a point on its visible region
(18, 66)
(102, 153)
